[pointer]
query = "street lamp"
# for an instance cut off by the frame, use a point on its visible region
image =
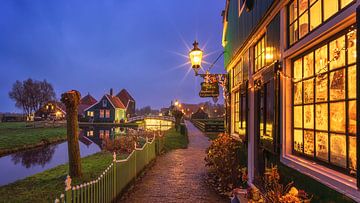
(195, 56)
(176, 103)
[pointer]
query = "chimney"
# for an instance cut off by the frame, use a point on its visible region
(111, 91)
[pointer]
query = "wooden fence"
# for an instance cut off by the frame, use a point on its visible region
(118, 175)
(207, 125)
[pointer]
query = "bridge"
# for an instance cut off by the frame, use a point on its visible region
(141, 118)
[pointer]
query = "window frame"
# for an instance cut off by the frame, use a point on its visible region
(346, 101)
(262, 55)
(309, 6)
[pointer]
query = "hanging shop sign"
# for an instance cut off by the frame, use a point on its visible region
(210, 89)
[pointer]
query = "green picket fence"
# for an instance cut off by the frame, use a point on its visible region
(115, 178)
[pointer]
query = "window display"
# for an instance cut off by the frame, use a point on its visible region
(321, 117)
(298, 140)
(337, 84)
(321, 88)
(324, 102)
(337, 117)
(309, 142)
(309, 116)
(298, 93)
(322, 146)
(338, 149)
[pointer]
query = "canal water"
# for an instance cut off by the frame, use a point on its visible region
(19, 165)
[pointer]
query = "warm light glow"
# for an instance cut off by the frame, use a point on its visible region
(195, 56)
(176, 103)
(58, 114)
(269, 54)
(202, 108)
(180, 105)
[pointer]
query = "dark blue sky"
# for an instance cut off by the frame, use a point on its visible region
(92, 45)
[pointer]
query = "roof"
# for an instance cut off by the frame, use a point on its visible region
(88, 100)
(115, 101)
(125, 96)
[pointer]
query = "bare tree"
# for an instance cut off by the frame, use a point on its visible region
(30, 95)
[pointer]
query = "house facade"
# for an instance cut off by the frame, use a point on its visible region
(109, 109)
(52, 110)
(294, 86)
(128, 101)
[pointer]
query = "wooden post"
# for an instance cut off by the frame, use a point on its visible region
(71, 99)
(68, 190)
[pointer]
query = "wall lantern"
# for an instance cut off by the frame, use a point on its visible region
(195, 56)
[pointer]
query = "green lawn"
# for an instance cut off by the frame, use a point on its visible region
(48, 185)
(15, 136)
(175, 140)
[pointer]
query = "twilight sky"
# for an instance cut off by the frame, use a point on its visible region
(93, 45)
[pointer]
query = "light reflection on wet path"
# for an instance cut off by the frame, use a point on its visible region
(178, 176)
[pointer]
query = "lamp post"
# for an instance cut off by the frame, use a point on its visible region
(195, 56)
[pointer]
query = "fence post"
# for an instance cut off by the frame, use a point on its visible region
(135, 162)
(147, 150)
(114, 176)
(68, 189)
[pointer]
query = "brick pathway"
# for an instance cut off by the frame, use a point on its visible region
(177, 176)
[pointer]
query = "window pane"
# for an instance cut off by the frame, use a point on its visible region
(351, 37)
(309, 91)
(309, 142)
(298, 140)
(337, 117)
(321, 88)
(293, 11)
(337, 53)
(337, 84)
(298, 116)
(330, 8)
(321, 59)
(321, 116)
(303, 25)
(309, 65)
(338, 149)
(303, 5)
(345, 3)
(352, 153)
(352, 82)
(309, 116)
(298, 93)
(298, 69)
(293, 29)
(315, 15)
(322, 146)
(352, 117)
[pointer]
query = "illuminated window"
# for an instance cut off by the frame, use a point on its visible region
(107, 113)
(260, 54)
(102, 113)
(90, 113)
(306, 15)
(324, 102)
(237, 74)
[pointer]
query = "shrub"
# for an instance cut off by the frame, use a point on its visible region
(226, 159)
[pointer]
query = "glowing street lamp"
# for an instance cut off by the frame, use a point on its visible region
(195, 56)
(176, 103)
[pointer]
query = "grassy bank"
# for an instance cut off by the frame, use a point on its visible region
(175, 140)
(16, 136)
(46, 186)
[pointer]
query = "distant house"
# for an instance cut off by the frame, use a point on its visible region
(52, 110)
(128, 101)
(109, 109)
(85, 103)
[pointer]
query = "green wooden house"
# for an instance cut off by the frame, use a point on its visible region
(109, 109)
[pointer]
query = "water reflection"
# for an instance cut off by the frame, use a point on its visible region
(34, 157)
(22, 164)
